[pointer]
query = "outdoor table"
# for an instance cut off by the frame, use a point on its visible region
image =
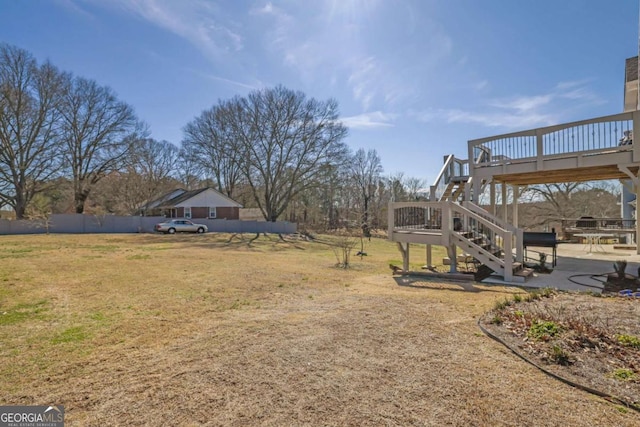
(593, 240)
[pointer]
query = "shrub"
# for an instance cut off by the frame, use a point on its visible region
(497, 320)
(547, 292)
(629, 340)
(501, 305)
(624, 374)
(543, 330)
(559, 356)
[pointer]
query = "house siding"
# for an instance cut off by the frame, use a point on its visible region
(228, 213)
(199, 212)
(203, 212)
(198, 202)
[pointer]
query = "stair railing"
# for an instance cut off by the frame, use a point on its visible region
(451, 168)
(518, 233)
(495, 239)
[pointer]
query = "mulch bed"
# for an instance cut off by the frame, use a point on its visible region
(587, 348)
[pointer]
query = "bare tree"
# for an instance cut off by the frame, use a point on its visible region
(397, 190)
(284, 138)
(98, 131)
(549, 203)
(190, 171)
(150, 173)
(29, 148)
(39, 210)
(557, 198)
(366, 171)
(414, 187)
(596, 201)
(211, 140)
(154, 165)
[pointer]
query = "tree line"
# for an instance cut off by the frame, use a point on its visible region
(68, 143)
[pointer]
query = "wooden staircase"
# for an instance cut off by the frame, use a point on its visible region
(454, 189)
(487, 247)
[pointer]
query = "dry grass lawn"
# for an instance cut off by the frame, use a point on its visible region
(197, 330)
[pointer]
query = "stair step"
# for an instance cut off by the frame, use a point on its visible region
(482, 272)
(525, 272)
(517, 266)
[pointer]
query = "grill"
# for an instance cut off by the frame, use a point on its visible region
(540, 239)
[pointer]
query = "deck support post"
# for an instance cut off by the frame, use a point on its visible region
(405, 257)
(476, 184)
(508, 257)
(492, 197)
(451, 252)
(637, 222)
(503, 187)
(636, 185)
(636, 131)
(516, 196)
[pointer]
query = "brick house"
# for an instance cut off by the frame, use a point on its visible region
(201, 203)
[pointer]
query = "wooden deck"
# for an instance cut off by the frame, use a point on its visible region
(586, 150)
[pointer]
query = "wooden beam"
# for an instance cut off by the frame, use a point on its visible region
(566, 175)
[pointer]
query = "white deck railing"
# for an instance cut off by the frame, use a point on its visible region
(452, 168)
(447, 219)
(593, 136)
(408, 216)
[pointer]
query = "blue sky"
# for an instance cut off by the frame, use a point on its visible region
(415, 79)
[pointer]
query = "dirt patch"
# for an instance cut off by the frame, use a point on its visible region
(590, 340)
(614, 285)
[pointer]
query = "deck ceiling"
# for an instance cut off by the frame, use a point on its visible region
(597, 173)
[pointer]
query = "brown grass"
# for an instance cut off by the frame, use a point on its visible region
(196, 330)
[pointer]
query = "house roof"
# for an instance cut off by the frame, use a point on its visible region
(182, 197)
(170, 202)
(162, 199)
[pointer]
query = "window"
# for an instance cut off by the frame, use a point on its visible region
(212, 212)
(187, 212)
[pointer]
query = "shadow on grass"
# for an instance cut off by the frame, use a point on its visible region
(440, 283)
(435, 283)
(216, 241)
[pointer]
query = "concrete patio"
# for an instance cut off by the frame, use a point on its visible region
(577, 263)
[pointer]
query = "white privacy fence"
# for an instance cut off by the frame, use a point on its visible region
(79, 223)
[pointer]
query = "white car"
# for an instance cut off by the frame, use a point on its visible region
(180, 226)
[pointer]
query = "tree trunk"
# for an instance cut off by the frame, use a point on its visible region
(365, 215)
(20, 210)
(79, 200)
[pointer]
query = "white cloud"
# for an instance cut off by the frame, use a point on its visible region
(197, 21)
(232, 82)
(493, 119)
(372, 120)
(523, 112)
(266, 9)
(500, 120)
(74, 7)
(524, 104)
(481, 85)
(365, 73)
(330, 44)
(279, 34)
